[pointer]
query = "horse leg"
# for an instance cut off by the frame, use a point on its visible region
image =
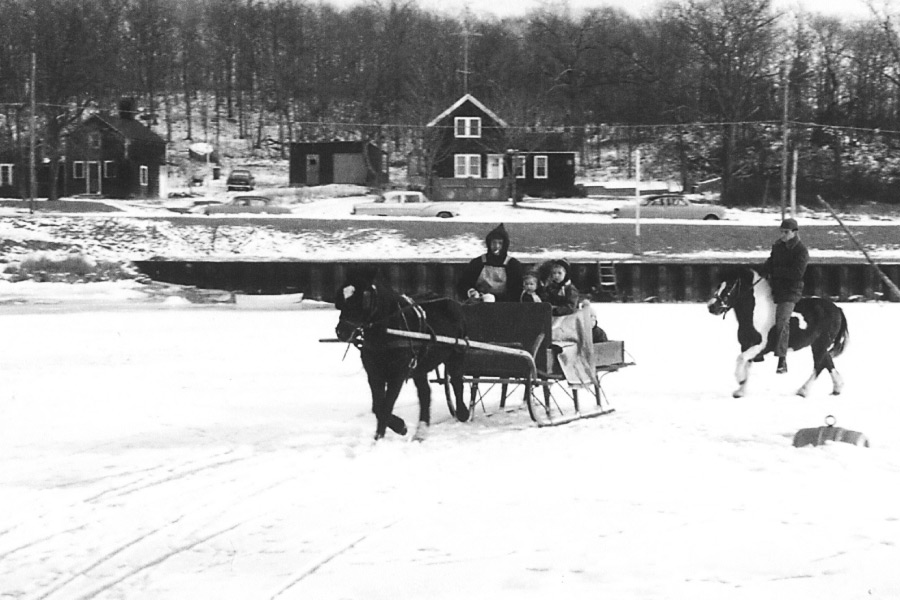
(742, 372)
(837, 382)
(392, 421)
(742, 367)
(821, 360)
(423, 389)
(377, 385)
(454, 366)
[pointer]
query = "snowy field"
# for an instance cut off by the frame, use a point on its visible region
(161, 451)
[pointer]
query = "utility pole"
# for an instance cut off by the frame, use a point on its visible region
(637, 202)
(32, 173)
(466, 34)
(785, 138)
(794, 184)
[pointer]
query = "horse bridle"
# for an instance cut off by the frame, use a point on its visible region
(357, 337)
(726, 298)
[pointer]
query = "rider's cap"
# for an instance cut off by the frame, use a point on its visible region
(790, 224)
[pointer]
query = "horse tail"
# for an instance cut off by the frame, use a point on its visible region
(842, 337)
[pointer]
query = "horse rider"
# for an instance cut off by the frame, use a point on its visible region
(493, 276)
(785, 268)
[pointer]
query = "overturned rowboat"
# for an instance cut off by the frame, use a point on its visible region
(268, 301)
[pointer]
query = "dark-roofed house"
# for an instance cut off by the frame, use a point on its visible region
(472, 158)
(114, 157)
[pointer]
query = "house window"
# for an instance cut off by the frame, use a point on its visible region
(467, 127)
(467, 165)
(94, 140)
(6, 174)
(78, 169)
(145, 176)
(520, 167)
(540, 167)
(109, 169)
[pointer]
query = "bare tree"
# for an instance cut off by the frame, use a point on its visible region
(733, 41)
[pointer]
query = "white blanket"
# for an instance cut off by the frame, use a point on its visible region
(572, 335)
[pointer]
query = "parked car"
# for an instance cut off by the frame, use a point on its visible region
(671, 206)
(191, 205)
(248, 204)
(405, 204)
(240, 180)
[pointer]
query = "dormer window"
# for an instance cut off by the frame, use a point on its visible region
(94, 140)
(467, 127)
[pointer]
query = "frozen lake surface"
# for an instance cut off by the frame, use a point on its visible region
(170, 452)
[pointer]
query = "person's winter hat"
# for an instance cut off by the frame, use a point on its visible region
(498, 233)
(560, 262)
(790, 224)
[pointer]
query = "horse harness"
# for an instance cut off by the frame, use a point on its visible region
(416, 322)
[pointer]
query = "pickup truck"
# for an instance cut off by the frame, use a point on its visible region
(240, 180)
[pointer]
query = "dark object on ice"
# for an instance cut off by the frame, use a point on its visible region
(829, 433)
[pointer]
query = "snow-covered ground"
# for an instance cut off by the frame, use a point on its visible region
(158, 450)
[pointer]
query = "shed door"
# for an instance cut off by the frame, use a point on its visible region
(349, 168)
(312, 169)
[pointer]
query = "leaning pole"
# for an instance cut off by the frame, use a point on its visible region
(895, 291)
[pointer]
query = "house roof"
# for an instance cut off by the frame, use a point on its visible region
(129, 128)
(460, 102)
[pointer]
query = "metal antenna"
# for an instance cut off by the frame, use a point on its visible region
(466, 34)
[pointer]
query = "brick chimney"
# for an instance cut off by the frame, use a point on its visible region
(127, 108)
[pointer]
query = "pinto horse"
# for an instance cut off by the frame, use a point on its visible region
(816, 322)
(368, 308)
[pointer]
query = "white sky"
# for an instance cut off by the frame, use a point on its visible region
(841, 8)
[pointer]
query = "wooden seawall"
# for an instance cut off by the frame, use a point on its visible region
(636, 280)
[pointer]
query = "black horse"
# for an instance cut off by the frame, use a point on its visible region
(368, 308)
(816, 322)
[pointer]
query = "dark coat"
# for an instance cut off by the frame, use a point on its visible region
(785, 269)
(563, 296)
(469, 277)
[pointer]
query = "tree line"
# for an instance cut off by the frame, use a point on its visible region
(709, 76)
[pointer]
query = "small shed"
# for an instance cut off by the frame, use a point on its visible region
(321, 163)
(114, 156)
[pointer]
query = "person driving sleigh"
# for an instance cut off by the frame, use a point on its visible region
(493, 276)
